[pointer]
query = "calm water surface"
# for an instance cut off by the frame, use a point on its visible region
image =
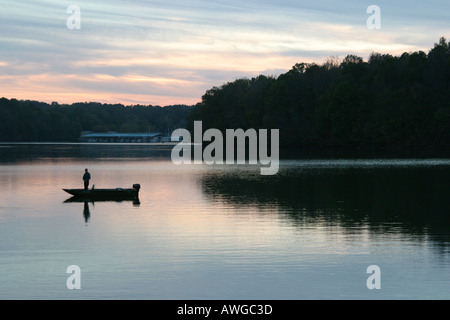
(221, 232)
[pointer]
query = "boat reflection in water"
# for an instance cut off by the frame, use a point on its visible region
(86, 201)
(103, 195)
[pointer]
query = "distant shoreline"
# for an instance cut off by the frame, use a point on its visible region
(306, 152)
(89, 143)
(367, 152)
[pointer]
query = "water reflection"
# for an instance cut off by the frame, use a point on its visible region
(86, 201)
(310, 231)
(86, 212)
(412, 200)
(136, 201)
(32, 152)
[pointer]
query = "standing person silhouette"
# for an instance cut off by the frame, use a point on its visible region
(86, 178)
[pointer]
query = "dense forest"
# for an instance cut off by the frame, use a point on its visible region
(388, 101)
(38, 121)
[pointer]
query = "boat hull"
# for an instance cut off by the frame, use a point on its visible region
(117, 193)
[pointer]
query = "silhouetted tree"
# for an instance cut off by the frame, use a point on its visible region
(386, 101)
(37, 121)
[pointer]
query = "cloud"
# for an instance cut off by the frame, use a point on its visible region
(161, 52)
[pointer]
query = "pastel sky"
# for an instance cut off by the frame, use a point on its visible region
(164, 52)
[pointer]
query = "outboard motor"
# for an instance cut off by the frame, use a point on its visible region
(137, 186)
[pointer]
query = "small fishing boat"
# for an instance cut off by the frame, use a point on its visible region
(113, 193)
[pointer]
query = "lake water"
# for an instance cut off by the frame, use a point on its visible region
(221, 232)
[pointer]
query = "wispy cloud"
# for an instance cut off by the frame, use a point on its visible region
(166, 52)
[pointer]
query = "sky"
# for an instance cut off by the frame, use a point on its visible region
(165, 52)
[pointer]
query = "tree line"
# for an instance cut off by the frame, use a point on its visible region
(385, 101)
(388, 101)
(39, 121)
